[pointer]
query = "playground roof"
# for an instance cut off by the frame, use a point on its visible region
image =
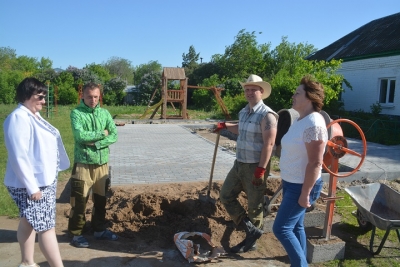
(174, 73)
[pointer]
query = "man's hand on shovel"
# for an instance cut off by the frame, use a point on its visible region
(219, 127)
(258, 175)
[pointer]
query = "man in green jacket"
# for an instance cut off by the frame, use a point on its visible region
(94, 130)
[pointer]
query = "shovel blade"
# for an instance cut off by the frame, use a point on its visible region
(207, 198)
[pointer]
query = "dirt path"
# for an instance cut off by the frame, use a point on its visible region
(146, 218)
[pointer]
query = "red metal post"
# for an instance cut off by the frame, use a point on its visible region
(330, 206)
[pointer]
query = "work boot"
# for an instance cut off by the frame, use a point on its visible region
(252, 234)
(239, 247)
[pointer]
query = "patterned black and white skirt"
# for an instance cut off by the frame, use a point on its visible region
(41, 214)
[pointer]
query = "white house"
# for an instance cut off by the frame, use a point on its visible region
(371, 64)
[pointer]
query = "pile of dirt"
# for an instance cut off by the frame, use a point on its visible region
(152, 214)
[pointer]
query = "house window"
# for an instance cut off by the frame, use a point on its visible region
(386, 94)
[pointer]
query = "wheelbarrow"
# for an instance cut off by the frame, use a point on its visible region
(377, 207)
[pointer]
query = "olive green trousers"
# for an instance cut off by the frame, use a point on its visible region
(239, 179)
(86, 178)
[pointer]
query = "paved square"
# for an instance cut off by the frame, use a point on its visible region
(162, 153)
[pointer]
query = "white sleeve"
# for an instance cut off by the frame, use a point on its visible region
(315, 133)
(18, 136)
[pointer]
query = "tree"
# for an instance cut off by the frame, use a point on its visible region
(143, 69)
(203, 71)
(67, 91)
(204, 98)
(120, 68)
(286, 56)
(149, 83)
(101, 72)
(46, 75)
(28, 65)
(244, 57)
(45, 64)
(114, 92)
(83, 76)
(7, 58)
(287, 66)
(190, 59)
(9, 81)
(190, 66)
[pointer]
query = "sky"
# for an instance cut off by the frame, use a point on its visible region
(80, 32)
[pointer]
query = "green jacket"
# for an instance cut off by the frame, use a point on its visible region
(88, 125)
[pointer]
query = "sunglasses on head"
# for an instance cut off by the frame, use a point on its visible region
(41, 97)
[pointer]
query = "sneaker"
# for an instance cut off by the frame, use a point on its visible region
(105, 235)
(79, 242)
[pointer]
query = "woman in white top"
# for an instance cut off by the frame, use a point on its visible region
(300, 163)
(35, 155)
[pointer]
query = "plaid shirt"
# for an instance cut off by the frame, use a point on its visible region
(250, 140)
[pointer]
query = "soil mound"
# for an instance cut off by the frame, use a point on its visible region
(152, 214)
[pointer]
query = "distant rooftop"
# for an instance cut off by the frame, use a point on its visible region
(130, 89)
(380, 37)
(58, 70)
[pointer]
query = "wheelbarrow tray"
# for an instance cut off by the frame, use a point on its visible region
(378, 203)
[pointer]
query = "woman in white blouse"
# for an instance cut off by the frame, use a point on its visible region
(35, 156)
(300, 163)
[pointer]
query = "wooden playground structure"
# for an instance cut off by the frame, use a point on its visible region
(179, 96)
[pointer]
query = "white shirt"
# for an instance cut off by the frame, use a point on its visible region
(294, 158)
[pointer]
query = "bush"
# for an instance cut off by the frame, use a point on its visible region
(376, 108)
(234, 104)
(203, 99)
(67, 95)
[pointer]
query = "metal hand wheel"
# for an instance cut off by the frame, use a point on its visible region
(337, 147)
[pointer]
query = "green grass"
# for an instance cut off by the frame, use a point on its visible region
(357, 241)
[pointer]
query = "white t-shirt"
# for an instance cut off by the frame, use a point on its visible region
(294, 158)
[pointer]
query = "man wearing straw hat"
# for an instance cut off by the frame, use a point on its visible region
(256, 131)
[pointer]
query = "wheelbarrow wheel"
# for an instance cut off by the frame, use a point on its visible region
(363, 223)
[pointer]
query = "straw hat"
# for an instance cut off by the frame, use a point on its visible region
(256, 80)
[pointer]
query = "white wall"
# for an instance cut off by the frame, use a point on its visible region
(364, 75)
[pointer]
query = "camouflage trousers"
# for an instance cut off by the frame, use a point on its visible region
(239, 179)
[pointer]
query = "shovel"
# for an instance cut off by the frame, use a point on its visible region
(207, 198)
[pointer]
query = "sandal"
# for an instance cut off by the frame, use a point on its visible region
(30, 265)
(105, 235)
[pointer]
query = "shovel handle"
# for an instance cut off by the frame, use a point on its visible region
(213, 163)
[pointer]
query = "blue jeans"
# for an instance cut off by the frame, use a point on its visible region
(289, 222)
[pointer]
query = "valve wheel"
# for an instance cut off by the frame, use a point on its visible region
(338, 148)
(336, 152)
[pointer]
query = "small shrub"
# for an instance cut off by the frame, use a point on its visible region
(376, 108)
